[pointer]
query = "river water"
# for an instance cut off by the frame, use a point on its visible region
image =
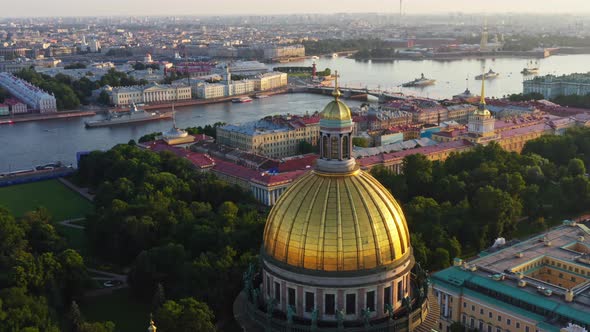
(23, 145)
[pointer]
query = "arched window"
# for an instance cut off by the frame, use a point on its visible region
(334, 146)
(325, 147)
(345, 147)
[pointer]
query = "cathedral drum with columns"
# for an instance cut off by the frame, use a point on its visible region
(336, 250)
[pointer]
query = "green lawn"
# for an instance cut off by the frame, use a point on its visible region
(127, 313)
(75, 238)
(61, 202)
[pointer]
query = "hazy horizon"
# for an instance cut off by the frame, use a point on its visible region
(37, 8)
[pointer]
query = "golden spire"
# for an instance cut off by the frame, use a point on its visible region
(152, 327)
(336, 93)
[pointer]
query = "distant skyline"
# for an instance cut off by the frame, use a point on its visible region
(268, 7)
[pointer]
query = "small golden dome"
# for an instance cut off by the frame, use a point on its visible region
(336, 110)
(337, 222)
(482, 112)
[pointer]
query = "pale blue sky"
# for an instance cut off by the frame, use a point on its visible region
(207, 7)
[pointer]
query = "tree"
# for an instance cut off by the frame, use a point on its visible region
(187, 314)
(73, 274)
(97, 327)
(74, 317)
(104, 98)
(440, 259)
(304, 147)
(576, 167)
(159, 297)
(417, 170)
(11, 237)
(360, 142)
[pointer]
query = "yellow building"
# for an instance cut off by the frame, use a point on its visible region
(272, 137)
(270, 81)
(152, 93)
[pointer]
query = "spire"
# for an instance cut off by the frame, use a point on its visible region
(336, 92)
(482, 100)
(152, 327)
(173, 117)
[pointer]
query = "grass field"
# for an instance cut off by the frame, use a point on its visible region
(127, 313)
(61, 202)
(75, 238)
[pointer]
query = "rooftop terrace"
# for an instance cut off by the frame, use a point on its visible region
(535, 275)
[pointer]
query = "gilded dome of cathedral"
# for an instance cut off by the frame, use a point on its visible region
(337, 222)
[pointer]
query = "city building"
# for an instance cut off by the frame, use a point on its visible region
(35, 98)
(274, 137)
(270, 81)
(13, 66)
(480, 126)
(210, 90)
(4, 109)
(551, 86)
(94, 46)
(336, 252)
(151, 93)
(279, 51)
(540, 284)
(16, 107)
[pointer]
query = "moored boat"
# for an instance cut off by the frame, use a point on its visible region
(419, 82)
(487, 76)
(134, 115)
(241, 100)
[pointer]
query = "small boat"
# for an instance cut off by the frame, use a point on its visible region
(531, 69)
(241, 100)
(487, 76)
(419, 82)
(315, 57)
(261, 96)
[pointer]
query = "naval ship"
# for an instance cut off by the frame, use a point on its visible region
(132, 116)
(419, 82)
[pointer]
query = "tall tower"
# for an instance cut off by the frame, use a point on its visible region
(481, 121)
(483, 44)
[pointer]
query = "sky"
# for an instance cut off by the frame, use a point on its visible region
(13, 8)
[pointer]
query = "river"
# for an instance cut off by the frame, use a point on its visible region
(450, 75)
(23, 145)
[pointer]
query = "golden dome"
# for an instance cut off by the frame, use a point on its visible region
(336, 110)
(337, 222)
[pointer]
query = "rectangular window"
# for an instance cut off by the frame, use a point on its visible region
(472, 308)
(508, 321)
(387, 296)
(489, 328)
(499, 318)
(481, 311)
(399, 291)
(350, 304)
(371, 300)
(490, 314)
(526, 329)
(291, 297)
(330, 304)
(309, 301)
(268, 285)
(277, 292)
(517, 325)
